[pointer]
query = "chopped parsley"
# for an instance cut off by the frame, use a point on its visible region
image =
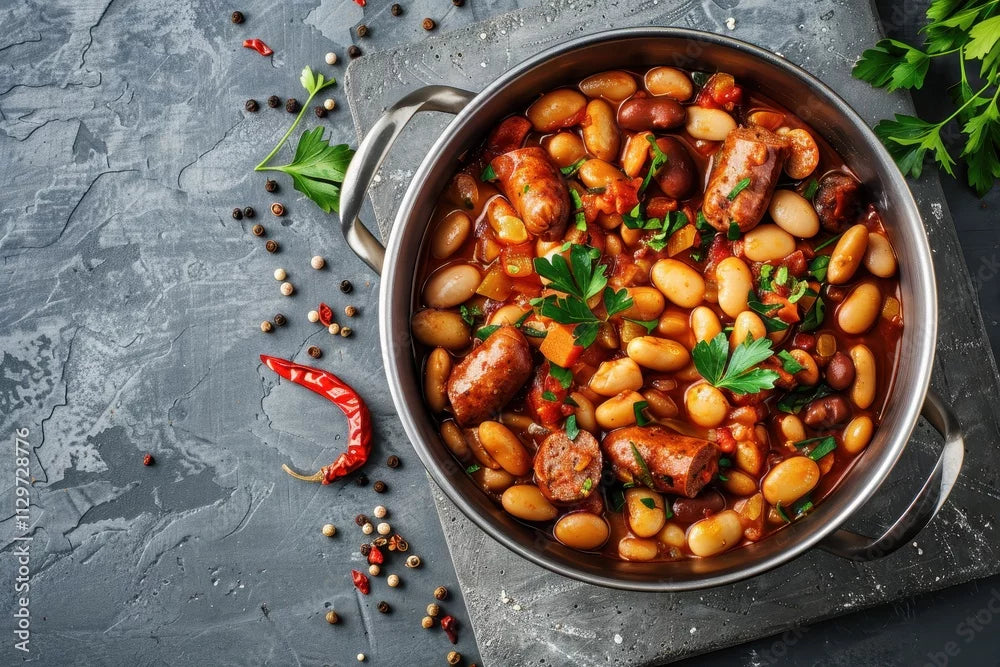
(812, 185)
(733, 233)
(572, 430)
(788, 362)
(579, 216)
(488, 174)
(648, 502)
(637, 408)
(571, 169)
(821, 446)
(640, 462)
(736, 372)
(660, 159)
(738, 188)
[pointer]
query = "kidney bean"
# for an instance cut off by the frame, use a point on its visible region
(827, 411)
(679, 176)
(689, 510)
(804, 341)
(651, 113)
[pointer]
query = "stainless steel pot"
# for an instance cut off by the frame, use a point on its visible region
(828, 115)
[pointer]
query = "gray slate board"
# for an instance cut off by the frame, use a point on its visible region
(521, 610)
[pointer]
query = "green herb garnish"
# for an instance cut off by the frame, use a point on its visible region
(473, 468)
(822, 446)
(549, 396)
(814, 316)
(572, 430)
(569, 170)
(648, 502)
(648, 324)
(588, 484)
(737, 372)
(788, 362)
(482, 333)
(764, 310)
(733, 233)
(579, 216)
(644, 475)
(488, 174)
(766, 272)
(795, 400)
(635, 220)
(563, 375)
(660, 159)
(812, 186)
(738, 188)
(469, 314)
(637, 408)
(674, 222)
(818, 267)
(829, 241)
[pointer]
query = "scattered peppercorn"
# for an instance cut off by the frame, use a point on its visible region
(331, 58)
(280, 274)
(346, 286)
(380, 486)
(427, 622)
(334, 328)
(380, 511)
(266, 326)
(291, 105)
(433, 610)
(458, 3)
(329, 529)
(287, 289)
(317, 262)
(319, 111)
(329, 104)
(361, 657)
(392, 461)
(271, 245)
(362, 480)
(314, 352)
(392, 580)
(413, 561)
(454, 657)
(396, 10)
(362, 30)
(249, 212)
(374, 570)
(332, 618)
(429, 24)
(368, 529)
(271, 186)
(345, 332)
(397, 543)
(354, 51)
(361, 519)
(251, 105)
(277, 209)
(380, 542)
(383, 528)
(274, 101)
(258, 230)
(147, 460)
(366, 549)
(350, 311)
(383, 607)
(313, 316)
(237, 214)
(440, 593)
(237, 17)
(279, 320)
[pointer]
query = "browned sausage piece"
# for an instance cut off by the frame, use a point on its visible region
(563, 466)
(489, 376)
(536, 189)
(678, 177)
(651, 113)
(677, 464)
(752, 153)
(837, 202)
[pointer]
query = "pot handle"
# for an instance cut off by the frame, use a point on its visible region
(928, 500)
(372, 152)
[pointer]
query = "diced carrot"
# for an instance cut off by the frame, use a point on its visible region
(559, 346)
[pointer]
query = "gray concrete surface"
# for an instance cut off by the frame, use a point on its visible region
(130, 326)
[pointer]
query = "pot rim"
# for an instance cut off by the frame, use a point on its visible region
(923, 355)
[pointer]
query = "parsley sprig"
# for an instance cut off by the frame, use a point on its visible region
(580, 279)
(736, 372)
(318, 169)
(972, 31)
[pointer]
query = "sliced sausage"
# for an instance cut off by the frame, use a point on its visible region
(650, 113)
(677, 464)
(485, 380)
(536, 189)
(678, 177)
(563, 466)
(837, 201)
(752, 153)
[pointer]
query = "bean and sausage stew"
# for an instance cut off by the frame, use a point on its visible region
(658, 316)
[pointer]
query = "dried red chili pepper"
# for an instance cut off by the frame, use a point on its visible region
(257, 45)
(325, 314)
(359, 421)
(450, 627)
(361, 582)
(375, 556)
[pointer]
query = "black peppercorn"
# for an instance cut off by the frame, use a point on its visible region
(346, 286)
(366, 549)
(237, 214)
(392, 461)
(384, 607)
(362, 30)
(251, 105)
(458, 3)
(237, 17)
(249, 212)
(291, 105)
(277, 209)
(314, 352)
(320, 111)
(274, 101)
(271, 246)
(280, 320)
(353, 51)
(429, 24)
(257, 230)
(440, 593)
(396, 10)
(361, 519)
(362, 480)
(271, 186)
(380, 487)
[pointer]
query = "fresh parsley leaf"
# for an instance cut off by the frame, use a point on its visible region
(891, 64)
(549, 396)
(635, 220)
(473, 468)
(908, 139)
(781, 275)
(580, 217)
(617, 499)
(733, 234)
(821, 446)
(640, 462)
(788, 362)
(798, 398)
(660, 159)
(318, 169)
(674, 222)
(469, 315)
(488, 174)
(482, 333)
(648, 324)
(812, 186)
(739, 375)
(585, 333)
(616, 302)
(742, 185)
(572, 430)
(799, 289)
(648, 502)
(563, 376)
(569, 170)
(818, 267)
(588, 484)
(766, 274)
(772, 324)
(637, 408)
(814, 316)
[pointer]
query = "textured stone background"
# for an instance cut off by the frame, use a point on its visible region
(129, 325)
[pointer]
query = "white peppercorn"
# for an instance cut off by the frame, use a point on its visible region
(313, 316)
(317, 262)
(280, 274)
(331, 58)
(329, 104)
(374, 570)
(287, 289)
(392, 580)
(384, 528)
(413, 561)
(368, 528)
(334, 329)
(380, 512)
(329, 530)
